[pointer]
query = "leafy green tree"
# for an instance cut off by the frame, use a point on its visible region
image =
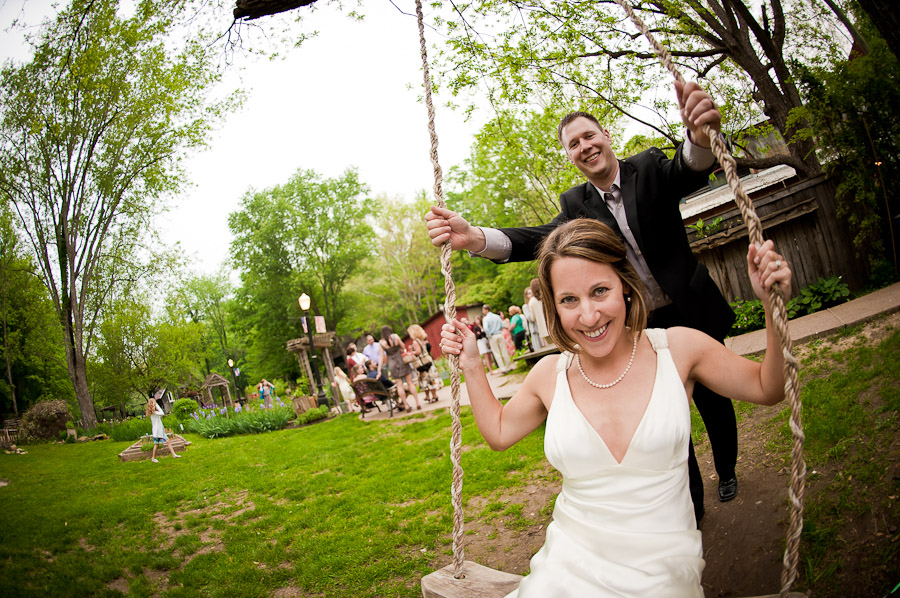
(516, 170)
(567, 51)
(850, 111)
(33, 359)
(401, 283)
(92, 133)
(138, 353)
(513, 176)
(308, 235)
(206, 300)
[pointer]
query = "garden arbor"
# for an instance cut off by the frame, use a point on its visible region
(212, 381)
(323, 342)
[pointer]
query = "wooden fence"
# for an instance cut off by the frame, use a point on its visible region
(801, 218)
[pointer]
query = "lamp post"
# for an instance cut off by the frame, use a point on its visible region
(321, 398)
(237, 391)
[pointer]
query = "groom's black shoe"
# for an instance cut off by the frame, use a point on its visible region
(727, 489)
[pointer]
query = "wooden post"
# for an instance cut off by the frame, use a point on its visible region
(303, 358)
(329, 371)
(228, 398)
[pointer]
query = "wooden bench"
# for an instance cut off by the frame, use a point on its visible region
(535, 356)
(10, 432)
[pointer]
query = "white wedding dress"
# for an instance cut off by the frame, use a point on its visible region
(620, 529)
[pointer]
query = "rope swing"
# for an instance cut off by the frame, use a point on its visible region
(487, 582)
(779, 316)
(450, 314)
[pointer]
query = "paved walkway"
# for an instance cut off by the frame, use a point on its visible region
(825, 322)
(819, 324)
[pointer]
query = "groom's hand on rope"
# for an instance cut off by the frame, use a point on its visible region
(697, 109)
(445, 224)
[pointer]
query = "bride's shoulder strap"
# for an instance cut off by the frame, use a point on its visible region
(658, 338)
(565, 360)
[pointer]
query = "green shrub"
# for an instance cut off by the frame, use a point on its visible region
(44, 420)
(705, 229)
(313, 415)
(281, 389)
(254, 419)
(301, 387)
(749, 316)
(824, 293)
(134, 428)
(183, 408)
(101, 428)
(130, 429)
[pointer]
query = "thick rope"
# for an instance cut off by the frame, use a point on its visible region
(780, 319)
(450, 315)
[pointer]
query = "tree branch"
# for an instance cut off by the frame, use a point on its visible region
(770, 161)
(254, 9)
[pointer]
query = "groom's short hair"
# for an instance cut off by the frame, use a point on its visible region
(568, 118)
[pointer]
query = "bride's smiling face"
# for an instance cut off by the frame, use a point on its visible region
(589, 298)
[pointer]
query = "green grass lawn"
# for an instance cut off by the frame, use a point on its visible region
(340, 508)
(362, 508)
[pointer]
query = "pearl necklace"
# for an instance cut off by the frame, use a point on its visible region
(617, 380)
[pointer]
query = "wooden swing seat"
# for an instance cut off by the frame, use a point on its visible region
(484, 582)
(479, 582)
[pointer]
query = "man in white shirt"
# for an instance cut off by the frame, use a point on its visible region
(493, 328)
(374, 353)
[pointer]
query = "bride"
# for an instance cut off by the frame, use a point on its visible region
(616, 403)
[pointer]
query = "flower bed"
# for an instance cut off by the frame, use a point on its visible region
(254, 418)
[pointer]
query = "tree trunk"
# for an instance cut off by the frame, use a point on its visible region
(801, 150)
(777, 91)
(78, 375)
(12, 387)
(77, 366)
(886, 18)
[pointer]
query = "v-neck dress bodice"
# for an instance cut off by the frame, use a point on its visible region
(620, 529)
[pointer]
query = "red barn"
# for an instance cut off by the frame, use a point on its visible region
(434, 322)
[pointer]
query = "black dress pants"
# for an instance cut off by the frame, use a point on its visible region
(718, 416)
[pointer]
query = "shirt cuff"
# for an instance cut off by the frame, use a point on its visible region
(695, 157)
(497, 246)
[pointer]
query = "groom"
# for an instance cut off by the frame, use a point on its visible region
(638, 198)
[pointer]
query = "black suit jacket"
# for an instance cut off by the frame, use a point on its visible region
(652, 187)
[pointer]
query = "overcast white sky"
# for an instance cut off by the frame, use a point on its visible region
(345, 98)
